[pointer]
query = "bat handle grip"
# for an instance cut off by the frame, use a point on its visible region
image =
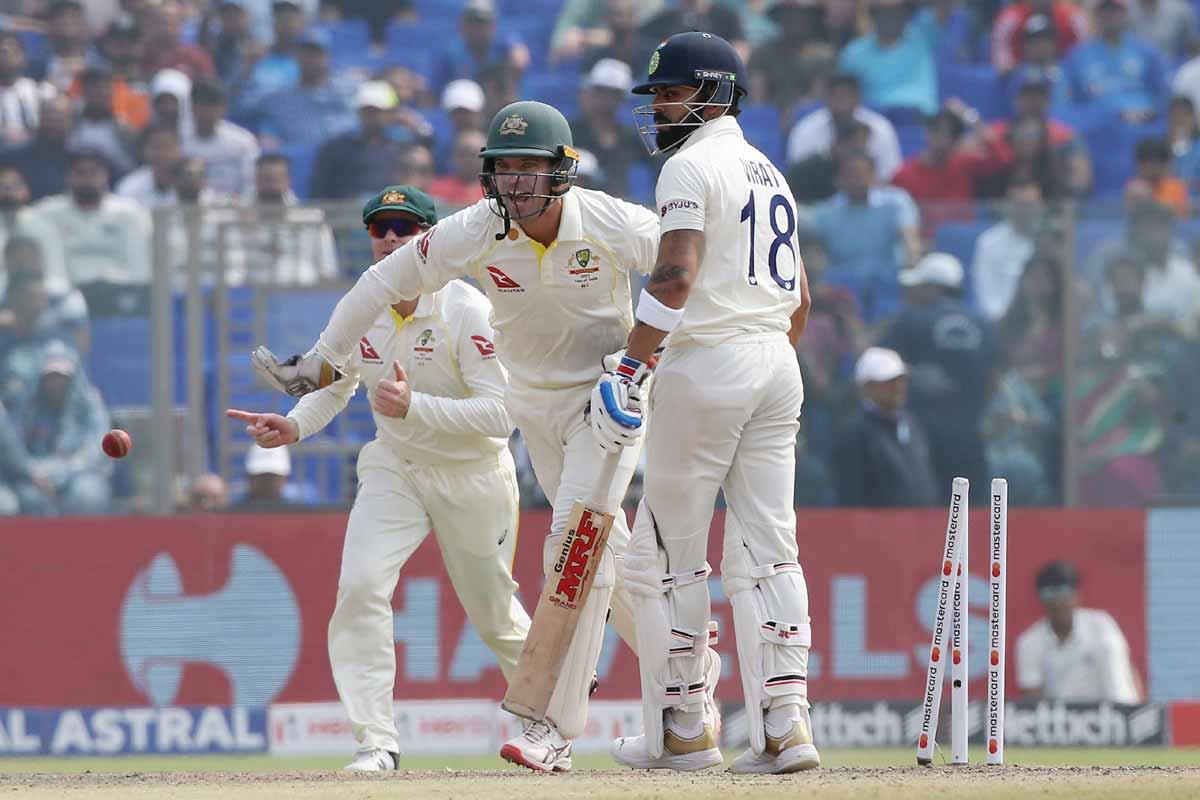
(602, 489)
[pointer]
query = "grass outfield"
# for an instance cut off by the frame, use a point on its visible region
(1047, 774)
(878, 758)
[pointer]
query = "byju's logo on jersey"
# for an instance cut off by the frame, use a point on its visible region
(583, 268)
(503, 282)
(485, 348)
(369, 354)
(679, 205)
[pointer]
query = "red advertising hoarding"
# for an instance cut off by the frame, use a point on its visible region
(217, 610)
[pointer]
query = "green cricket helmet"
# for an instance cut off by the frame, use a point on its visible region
(528, 129)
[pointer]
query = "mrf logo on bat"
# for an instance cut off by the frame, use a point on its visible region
(575, 562)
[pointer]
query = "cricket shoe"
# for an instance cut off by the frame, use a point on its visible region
(374, 759)
(540, 748)
(682, 755)
(712, 674)
(793, 751)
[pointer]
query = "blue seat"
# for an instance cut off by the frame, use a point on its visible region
(642, 179)
(760, 121)
(558, 89)
(958, 239)
(119, 363)
(978, 87)
(912, 139)
(302, 158)
(346, 37)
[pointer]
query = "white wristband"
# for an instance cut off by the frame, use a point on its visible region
(655, 314)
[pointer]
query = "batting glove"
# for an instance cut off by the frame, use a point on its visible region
(616, 406)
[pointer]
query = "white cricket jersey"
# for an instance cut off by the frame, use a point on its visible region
(1091, 666)
(446, 347)
(557, 310)
(720, 184)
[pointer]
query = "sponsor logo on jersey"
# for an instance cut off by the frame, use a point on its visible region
(679, 205)
(502, 281)
(485, 347)
(369, 354)
(583, 267)
(423, 245)
(513, 125)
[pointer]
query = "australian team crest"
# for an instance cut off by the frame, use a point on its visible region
(513, 125)
(392, 198)
(423, 349)
(583, 267)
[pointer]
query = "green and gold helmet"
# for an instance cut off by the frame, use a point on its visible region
(528, 129)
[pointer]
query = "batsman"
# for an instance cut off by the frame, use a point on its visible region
(555, 261)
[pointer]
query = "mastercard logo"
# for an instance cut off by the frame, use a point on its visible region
(995, 658)
(992, 746)
(956, 657)
(946, 568)
(925, 742)
(995, 569)
(936, 655)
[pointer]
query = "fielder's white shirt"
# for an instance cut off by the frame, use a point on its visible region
(1091, 666)
(557, 310)
(720, 184)
(446, 348)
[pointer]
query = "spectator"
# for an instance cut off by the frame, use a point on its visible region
(171, 101)
(463, 102)
(1042, 147)
(588, 172)
(621, 39)
(951, 354)
(229, 151)
(376, 15)
(943, 178)
(950, 30)
(264, 15)
(790, 65)
(614, 144)
(35, 307)
(165, 48)
(592, 26)
(815, 178)
(501, 84)
(280, 243)
(1116, 71)
(59, 417)
(279, 68)
(43, 161)
(894, 62)
(347, 166)
(95, 126)
(1041, 64)
(267, 473)
(206, 494)
(416, 167)
(232, 44)
(696, 15)
(1002, 251)
(1073, 654)
(1187, 80)
(814, 133)
(153, 184)
(869, 232)
(408, 121)
(17, 220)
(1183, 139)
(20, 96)
(67, 37)
(314, 110)
(121, 49)
(105, 238)
(1168, 25)
(479, 48)
(1154, 179)
(881, 454)
(1068, 21)
(462, 188)
(198, 248)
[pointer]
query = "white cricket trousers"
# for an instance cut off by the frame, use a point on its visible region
(473, 510)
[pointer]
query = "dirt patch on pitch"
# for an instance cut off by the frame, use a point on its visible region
(1070, 783)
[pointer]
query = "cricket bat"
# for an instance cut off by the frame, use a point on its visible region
(567, 587)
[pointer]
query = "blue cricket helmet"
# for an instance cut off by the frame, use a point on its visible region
(690, 59)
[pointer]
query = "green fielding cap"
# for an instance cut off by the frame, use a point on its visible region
(402, 198)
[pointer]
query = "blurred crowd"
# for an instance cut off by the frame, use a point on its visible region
(977, 176)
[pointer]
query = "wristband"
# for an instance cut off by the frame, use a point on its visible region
(655, 314)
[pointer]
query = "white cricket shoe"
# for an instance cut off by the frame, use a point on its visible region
(793, 751)
(712, 674)
(683, 755)
(374, 759)
(540, 748)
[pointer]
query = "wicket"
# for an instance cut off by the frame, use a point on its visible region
(952, 600)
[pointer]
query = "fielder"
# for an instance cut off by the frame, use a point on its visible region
(559, 284)
(724, 403)
(440, 459)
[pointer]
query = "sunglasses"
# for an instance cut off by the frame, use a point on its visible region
(401, 227)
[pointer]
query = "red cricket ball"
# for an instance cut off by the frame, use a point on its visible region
(116, 443)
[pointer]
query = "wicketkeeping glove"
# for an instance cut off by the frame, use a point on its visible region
(297, 376)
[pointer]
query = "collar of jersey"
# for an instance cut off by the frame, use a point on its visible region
(570, 225)
(716, 127)
(424, 308)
